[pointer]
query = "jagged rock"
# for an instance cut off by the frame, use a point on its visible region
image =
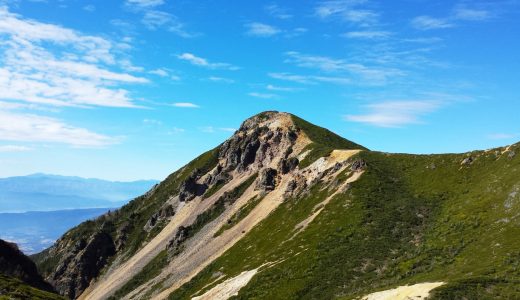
(122, 235)
(164, 213)
(249, 154)
(14, 263)
(174, 246)
(76, 270)
(511, 154)
(291, 187)
(358, 165)
(190, 189)
(267, 180)
(287, 165)
(467, 161)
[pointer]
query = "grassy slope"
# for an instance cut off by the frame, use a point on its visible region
(324, 141)
(409, 219)
(11, 288)
(135, 214)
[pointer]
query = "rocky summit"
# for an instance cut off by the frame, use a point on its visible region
(285, 209)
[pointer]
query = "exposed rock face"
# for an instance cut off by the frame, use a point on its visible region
(190, 188)
(78, 268)
(467, 161)
(359, 165)
(14, 263)
(175, 245)
(267, 180)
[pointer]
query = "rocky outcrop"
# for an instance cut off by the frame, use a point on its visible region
(190, 188)
(13, 263)
(267, 180)
(78, 268)
(175, 245)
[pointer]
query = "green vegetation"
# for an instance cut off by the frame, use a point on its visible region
(408, 219)
(240, 214)
(324, 141)
(132, 216)
(214, 188)
(151, 270)
(219, 207)
(11, 288)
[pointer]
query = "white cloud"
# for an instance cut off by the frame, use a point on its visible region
(212, 129)
(261, 30)
(310, 79)
(14, 148)
(176, 130)
(89, 8)
(144, 3)
(271, 87)
(202, 62)
(220, 79)
(277, 12)
(31, 72)
(263, 95)
(467, 14)
(35, 128)
(154, 19)
(152, 122)
(368, 34)
(186, 105)
(159, 72)
(363, 74)
(228, 129)
(347, 10)
(395, 113)
(428, 23)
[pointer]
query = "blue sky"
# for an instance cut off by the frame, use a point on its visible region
(135, 89)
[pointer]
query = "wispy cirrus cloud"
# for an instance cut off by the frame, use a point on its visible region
(428, 23)
(347, 10)
(277, 12)
(271, 87)
(263, 95)
(368, 34)
(395, 113)
(186, 105)
(21, 127)
(362, 74)
(159, 72)
(471, 14)
(310, 79)
(220, 79)
(261, 30)
(155, 19)
(468, 12)
(203, 62)
(144, 3)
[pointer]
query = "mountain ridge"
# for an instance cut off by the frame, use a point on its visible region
(392, 215)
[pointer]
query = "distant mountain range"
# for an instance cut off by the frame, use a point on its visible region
(35, 231)
(44, 192)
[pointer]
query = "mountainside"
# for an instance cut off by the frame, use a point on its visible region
(288, 210)
(43, 192)
(19, 278)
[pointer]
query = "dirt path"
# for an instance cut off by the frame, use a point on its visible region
(407, 292)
